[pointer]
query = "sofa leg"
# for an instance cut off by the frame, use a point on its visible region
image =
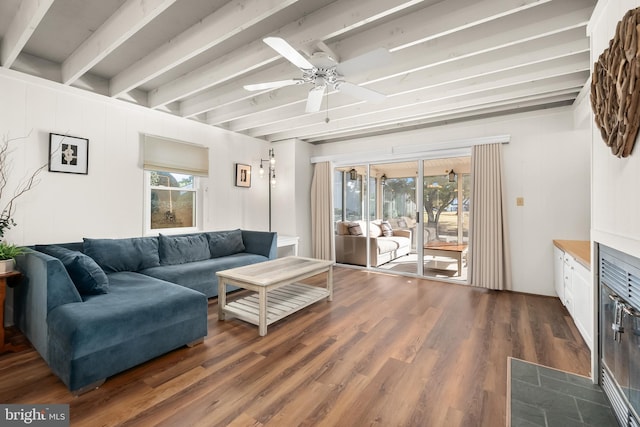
(88, 388)
(196, 342)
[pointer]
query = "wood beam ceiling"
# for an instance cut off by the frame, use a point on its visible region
(450, 59)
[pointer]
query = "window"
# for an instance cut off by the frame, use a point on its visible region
(172, 201)
(171, 196)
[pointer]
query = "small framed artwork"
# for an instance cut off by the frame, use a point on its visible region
(243, 175)
(68, 154)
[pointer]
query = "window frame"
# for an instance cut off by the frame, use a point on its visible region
(147, 230)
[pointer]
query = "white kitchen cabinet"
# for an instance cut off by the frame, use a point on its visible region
(567, 276)
(573, 284)
(583, 302)
(558, 272)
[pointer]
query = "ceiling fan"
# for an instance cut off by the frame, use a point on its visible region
(323, 69)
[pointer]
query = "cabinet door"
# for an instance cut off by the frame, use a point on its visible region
(558, 272)
(583, 302)
(567, 276)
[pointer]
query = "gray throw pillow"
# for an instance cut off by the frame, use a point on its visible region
(132, 254)
(184, 248)
(86, 275)
(223, 243)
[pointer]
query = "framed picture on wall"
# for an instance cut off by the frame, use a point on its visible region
(68, 154)
(243, 175)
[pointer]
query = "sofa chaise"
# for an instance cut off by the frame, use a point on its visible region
(95, 308)
(351, 242)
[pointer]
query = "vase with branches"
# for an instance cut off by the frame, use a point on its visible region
(8, 199)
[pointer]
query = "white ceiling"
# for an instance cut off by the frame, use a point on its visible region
(451, 60)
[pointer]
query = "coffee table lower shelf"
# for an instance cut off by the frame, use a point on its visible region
(281, 302)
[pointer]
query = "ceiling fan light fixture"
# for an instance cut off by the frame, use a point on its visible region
(322, 69)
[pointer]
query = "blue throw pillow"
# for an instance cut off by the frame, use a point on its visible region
(132, 254)
(223, 243)
(86, 275)
(182, 249)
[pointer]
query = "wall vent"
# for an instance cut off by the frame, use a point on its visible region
(615, 397)
(618, 273)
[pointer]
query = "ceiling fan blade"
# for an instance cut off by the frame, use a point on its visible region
(288, 52)
(273, 85)
(314, 100)
(360, 92)
(364, 62)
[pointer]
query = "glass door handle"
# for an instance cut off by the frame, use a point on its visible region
(616, 325)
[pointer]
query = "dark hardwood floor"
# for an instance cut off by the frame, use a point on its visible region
(388, 351)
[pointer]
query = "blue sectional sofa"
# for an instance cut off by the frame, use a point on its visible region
(95, 308)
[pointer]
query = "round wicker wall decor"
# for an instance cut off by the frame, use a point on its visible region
(615, 87)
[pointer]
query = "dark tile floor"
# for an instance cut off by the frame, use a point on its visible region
(546, 397)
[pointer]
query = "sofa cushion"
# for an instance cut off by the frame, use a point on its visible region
(355, 229)
(386, 245)
(342, 228)
(223, 243)
(130, 254)
(374, 230)
(201, 275)
(387, 230)
(182, 249)
(393, 243)
(87, 276)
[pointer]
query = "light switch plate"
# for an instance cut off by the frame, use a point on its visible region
(519, 201)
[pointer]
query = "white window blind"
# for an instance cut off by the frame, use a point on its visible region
(169, 155)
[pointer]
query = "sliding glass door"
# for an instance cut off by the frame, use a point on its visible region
(406, 217)
(446, 197)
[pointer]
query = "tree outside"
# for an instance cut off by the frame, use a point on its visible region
(441, 197)
(172, 200)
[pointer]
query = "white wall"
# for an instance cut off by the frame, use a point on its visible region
(616, 205)
(108, 202)
(291, 197)
(547, 162)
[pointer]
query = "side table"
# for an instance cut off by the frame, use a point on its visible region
(287, 246)
(5, 278)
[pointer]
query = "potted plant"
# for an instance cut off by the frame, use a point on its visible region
(8, 253)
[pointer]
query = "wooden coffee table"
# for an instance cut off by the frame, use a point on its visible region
(447, 250)
(278, 294)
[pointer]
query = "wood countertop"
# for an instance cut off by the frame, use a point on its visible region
(579, 249)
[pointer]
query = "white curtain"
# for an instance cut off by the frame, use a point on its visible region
(489, 262)
(322, 212)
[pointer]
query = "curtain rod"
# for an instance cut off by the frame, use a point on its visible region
(403, 152)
